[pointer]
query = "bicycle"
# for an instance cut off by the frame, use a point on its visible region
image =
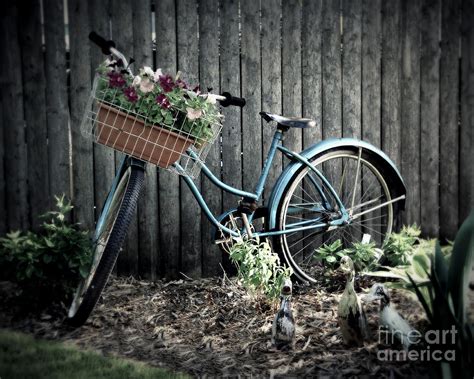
(340, 188)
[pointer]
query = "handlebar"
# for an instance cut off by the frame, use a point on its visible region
(108, 47)
(232, 100)
(102, 42)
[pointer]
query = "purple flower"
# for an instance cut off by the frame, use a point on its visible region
(181, 84)
(131, 94)
(116, 79)
(163, 101)
(166, 82)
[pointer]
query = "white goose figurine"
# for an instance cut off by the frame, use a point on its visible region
(390, 319)
(283, 328)
(350, 314)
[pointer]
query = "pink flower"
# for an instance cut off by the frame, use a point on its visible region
(193, 114)
(166, 82)
(131, 94)
(157, 74)
(163, 101)
(146, 85)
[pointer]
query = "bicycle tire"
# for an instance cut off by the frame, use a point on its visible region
(79, 313)
(279, 242)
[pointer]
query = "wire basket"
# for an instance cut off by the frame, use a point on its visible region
(110, 121)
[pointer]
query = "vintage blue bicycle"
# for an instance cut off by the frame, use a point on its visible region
(341, 188)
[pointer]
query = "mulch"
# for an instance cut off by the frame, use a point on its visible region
(213, 328)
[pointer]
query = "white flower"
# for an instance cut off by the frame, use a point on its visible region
(146, 85)
(136, 81)
(211, 98)
(193, 114)
(147, 71)
(157, 74)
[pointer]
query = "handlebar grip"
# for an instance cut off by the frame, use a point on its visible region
(101, 42)
(232, 100)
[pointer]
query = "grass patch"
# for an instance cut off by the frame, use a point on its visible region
(22, 356)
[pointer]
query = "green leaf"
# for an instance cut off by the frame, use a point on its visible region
(460, 265)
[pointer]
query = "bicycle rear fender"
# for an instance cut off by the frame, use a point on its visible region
(382, 162)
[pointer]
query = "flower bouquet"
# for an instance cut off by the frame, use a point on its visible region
(152, 116)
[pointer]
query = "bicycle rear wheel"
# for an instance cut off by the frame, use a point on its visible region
(109, 240)
(361, 186)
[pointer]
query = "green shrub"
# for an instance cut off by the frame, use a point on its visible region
(47, 264)
(446, 301)
(327, 254)
(258, 268)
(362, 254)
(399, 246)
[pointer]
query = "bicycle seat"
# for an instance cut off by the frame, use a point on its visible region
(290, 122)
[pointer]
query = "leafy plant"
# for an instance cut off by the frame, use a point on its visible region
(160, 99)
(258, 268)
(327, 254)
(417, 266)
(47, 264)
(446, 302)
(399, 246)
(362, 254)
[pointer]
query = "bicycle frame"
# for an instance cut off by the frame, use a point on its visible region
(256, 196)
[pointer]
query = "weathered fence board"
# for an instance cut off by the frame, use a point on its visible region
(148, 253)
(391, 123)
(429, 117)
(230, 82)
(188, 64)
(3, 210)
(122, 32)
(397, 73)
(16, 159)
(104, 158)
(332, 80)
(56, 100)
(311, 67)
(449, 118)
(83, 186)
(271, 80)
(410, 106)
(208, 78)
(466, 169)
(34, 89)
(351, 68)
(291, 69)
(169, 199)
(251, 89)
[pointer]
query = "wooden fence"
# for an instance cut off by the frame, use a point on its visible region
(399, 74)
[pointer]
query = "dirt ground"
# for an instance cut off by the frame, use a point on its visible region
(212, 328)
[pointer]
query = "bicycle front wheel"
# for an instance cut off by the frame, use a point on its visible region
(109, 241)
(363, 191)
